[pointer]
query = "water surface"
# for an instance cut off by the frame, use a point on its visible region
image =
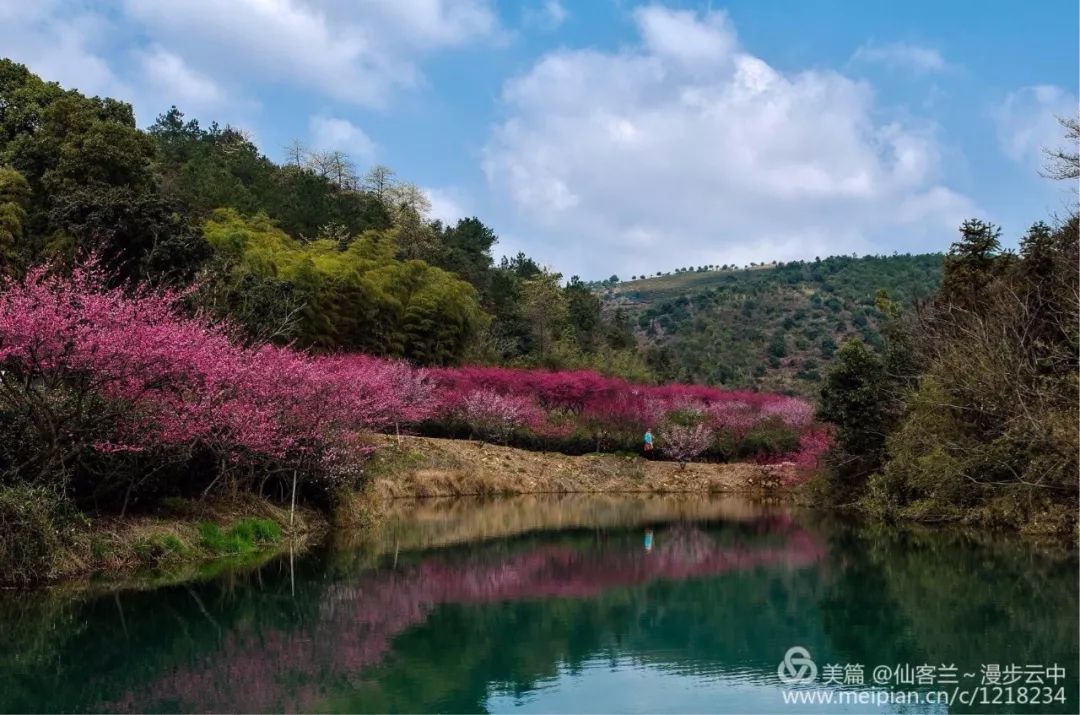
(572, 604)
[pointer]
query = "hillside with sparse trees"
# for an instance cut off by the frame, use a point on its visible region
(770, 327)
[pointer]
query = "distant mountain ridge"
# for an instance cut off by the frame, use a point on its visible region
(768, 327)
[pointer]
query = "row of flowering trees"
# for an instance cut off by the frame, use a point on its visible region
(106, 390)
(112, 392)
(581, 411)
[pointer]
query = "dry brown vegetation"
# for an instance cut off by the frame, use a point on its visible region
(425, 467)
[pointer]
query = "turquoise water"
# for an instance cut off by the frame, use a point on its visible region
(562, 605)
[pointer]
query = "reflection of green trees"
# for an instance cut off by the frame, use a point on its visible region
(951, 597)
(73, 652)
(35, 633)
(443, 629)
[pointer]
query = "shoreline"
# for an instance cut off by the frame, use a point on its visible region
(193, 539)
(185, 539)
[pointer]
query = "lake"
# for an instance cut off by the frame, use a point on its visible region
(572, 604)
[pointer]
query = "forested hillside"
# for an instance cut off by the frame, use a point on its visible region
(769, 327)
(313, 251)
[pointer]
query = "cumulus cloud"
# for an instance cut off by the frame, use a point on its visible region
(354, 52)
(902, 56)
(685, 38)
(336, 134)
(447, 204)
(1027, 122)
(686, 149)
(214, 55)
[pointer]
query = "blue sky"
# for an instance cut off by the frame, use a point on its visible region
(608, 136)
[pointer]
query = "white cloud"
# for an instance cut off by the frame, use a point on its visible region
(548, 15)
(684, 37)
(902, 56)
(333, 133)
(60, 43)
(213, 56)
(354, 52)
(694, 151)
(171, 77)
(447, 204)
(1027, 122)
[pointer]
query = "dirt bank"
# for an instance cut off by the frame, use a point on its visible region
(425, 467)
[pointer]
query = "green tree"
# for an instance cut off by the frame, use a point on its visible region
(855, 397)
(543, 305)
(583, 311)
(215, 167)
(619, 331)
(466, 250)
(990, 432)
(91, 177)
(971, 263)
(14, 200)
(356, 296)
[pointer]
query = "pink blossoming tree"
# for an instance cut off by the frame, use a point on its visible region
(493, 416)
(684, 443)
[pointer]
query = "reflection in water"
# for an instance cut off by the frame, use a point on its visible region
(527, 602)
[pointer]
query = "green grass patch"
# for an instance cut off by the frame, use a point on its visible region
(160, 547)
(244, 536)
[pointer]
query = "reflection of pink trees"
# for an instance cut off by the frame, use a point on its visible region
(269, 669)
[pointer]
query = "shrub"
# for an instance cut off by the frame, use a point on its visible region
(771, 437)
(33, 524)
(579, 411)
(146, 392)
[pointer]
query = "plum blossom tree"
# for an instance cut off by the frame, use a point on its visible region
(494, 416)
(791, 410)
(683, 443)
(90, 370)
(735, 416)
